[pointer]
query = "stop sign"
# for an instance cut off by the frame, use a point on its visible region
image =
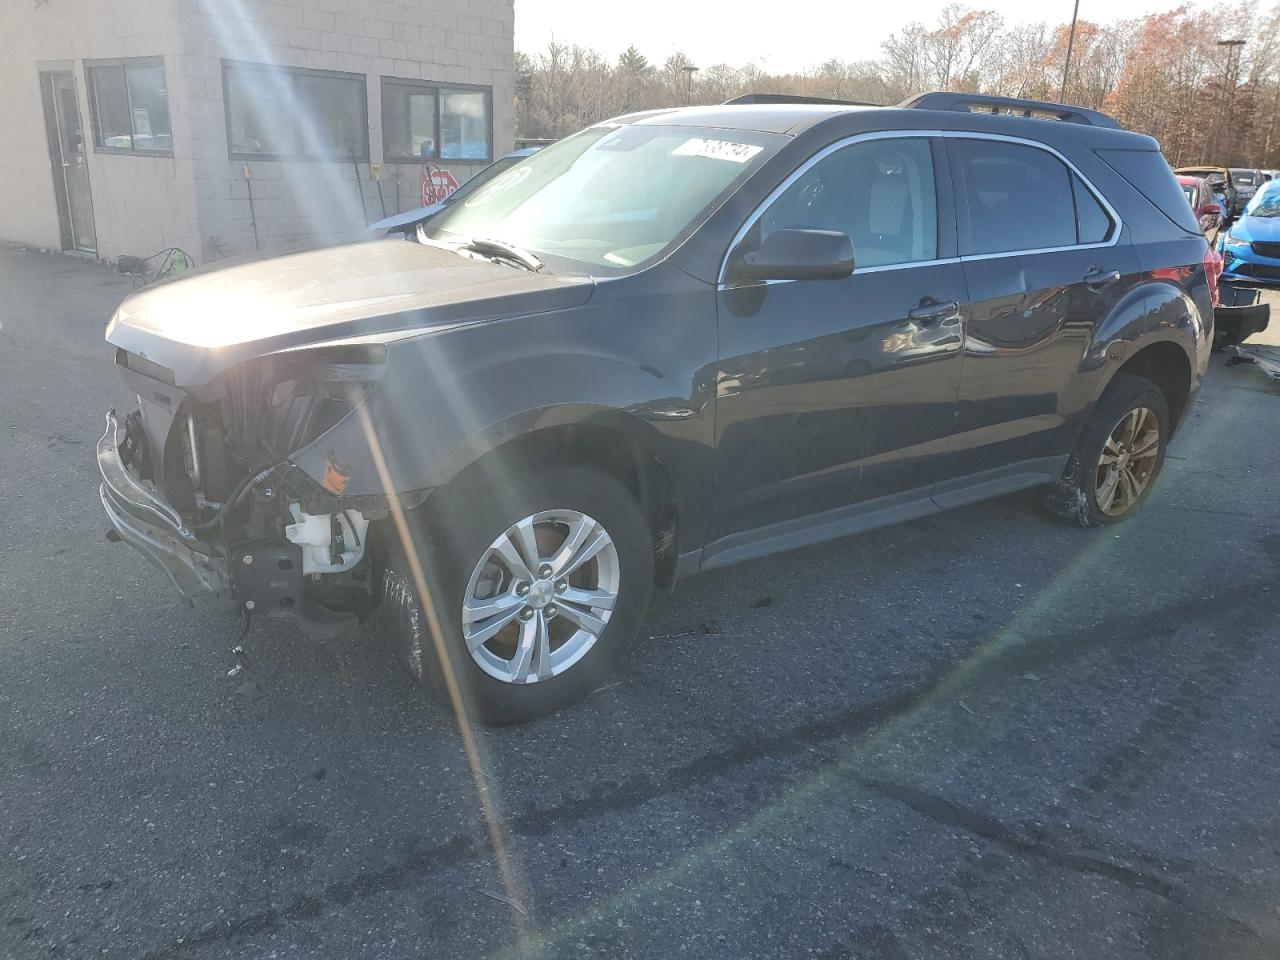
(437, 183)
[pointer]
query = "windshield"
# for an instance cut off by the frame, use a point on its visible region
(612, 197)
(1244, 178)
(480, 179)
(1190, 191)
(1265, 204)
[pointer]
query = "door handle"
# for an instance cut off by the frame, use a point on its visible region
(933, 311)
(1099, 279)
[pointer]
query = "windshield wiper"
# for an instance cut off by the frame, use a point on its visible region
(505, 251)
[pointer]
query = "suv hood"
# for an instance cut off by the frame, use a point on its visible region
(199, 325)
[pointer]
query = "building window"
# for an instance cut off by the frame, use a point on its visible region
(425, 121)
(129, 106)
(286, 113)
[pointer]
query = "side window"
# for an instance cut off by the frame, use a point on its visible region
(878, 192)
(1093, 225)
(1010, 197)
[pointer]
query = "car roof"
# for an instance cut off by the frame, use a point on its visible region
(785, 118)
(796, 119)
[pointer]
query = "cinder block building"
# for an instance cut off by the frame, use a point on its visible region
(132, 126)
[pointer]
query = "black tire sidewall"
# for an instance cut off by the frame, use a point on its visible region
(465, 520)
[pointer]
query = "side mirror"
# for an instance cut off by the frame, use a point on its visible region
(798, 253)
(1212, 209)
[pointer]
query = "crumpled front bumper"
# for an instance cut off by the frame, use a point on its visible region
(149, 524)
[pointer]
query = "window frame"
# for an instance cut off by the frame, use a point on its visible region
(254, 66)
(437, 89)
(91, 91)
(947, 198)
(942, 239)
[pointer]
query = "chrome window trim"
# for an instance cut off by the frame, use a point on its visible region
(858, 271)
(1117, 225)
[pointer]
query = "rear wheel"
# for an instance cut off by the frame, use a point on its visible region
(539, 590)
(1117, 458)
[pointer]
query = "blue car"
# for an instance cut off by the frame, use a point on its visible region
(1251, 249)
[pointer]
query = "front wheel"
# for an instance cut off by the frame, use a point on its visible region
(539, 585)
(1118, 457)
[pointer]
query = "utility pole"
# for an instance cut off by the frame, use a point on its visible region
(1071, 40)
(689, 70)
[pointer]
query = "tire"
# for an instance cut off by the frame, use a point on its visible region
(1085, 495)
(464, 526)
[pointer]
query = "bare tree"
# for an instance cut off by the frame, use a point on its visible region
(960, 45)
(1162, 74)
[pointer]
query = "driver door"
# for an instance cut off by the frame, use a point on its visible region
(836, 398)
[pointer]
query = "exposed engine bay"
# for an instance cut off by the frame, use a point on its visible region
(269, 537)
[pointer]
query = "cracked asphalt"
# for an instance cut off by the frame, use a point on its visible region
(979, 734)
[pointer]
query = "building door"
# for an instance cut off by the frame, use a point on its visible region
(67, 154)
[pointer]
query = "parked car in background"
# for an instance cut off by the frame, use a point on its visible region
(1251, 248)
(1204, 204)
(1220, 181)
(641, 359)
(1219, 190)
(1246, 183)
(407, 222)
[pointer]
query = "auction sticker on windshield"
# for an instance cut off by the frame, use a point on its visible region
(716, 150)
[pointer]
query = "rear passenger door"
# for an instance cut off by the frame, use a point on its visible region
(1044, 265)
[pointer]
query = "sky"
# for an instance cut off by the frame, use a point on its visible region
(782, 36)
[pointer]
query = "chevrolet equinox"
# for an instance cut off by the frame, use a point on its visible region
(670, 342)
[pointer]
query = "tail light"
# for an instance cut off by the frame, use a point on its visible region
(1212, 270)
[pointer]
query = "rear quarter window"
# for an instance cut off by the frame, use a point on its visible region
(1093, 224)
(1147, 172)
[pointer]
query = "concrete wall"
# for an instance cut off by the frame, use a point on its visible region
(448, 41)
(140, 203)
(197, 199)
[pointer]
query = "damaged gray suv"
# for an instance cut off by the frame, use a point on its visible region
(673, 341)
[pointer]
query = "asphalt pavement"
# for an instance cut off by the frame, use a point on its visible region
(980, 734)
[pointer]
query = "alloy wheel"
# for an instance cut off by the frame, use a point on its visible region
(540, 596)
(1128, 461)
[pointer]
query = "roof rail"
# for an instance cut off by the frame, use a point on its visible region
(753, 98)
(983, 103)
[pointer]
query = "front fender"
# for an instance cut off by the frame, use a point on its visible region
(642, 366)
